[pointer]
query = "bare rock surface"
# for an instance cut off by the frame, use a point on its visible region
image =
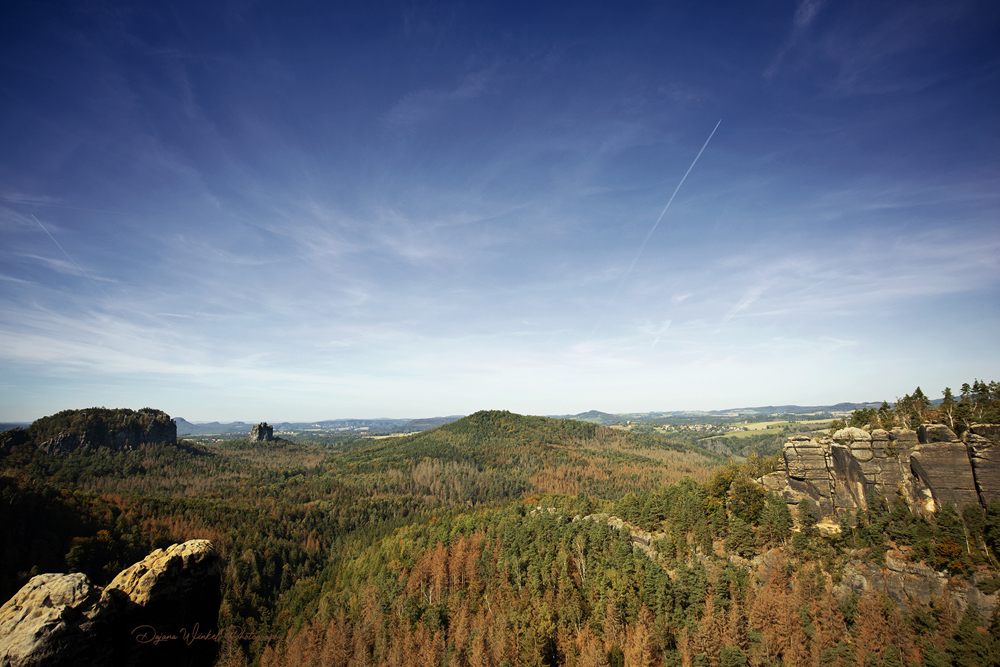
(851, 435)
(160, 611)
(91, 429)
(914, 584)
(985, 466)
(944, 467)
(49, 622)
(931, 467)
(168, 573)
(989, 431)
(262, 432)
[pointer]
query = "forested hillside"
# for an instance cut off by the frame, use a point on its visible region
(499, 539)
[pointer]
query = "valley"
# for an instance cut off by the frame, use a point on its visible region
(505, 539)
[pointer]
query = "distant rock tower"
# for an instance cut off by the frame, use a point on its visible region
(262, 433)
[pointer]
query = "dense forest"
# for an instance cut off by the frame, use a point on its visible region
(501, 539)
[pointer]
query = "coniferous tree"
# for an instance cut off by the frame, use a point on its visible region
(970, 646)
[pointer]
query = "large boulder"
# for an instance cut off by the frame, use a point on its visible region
(160, 611)
(852, 434)
(173, 593)
(52, 621)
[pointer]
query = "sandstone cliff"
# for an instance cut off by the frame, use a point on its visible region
(931, 467)
(262, 432)
(160, 611)
(909, 584)
(89, 429)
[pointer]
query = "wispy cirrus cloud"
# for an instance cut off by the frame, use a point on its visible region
(867, 45)
(421, 106)
(805, 15)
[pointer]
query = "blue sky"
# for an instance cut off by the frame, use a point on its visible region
(301, 211)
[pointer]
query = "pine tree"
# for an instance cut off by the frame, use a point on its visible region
(732, 657)
(829, 626)
(460, 629)
(590, 648)
(685, 647)
(338, 642)
(230, 653)
(710, 633)
(970, 646)
(891, 657)
(638, 649)
(736, 635)
(614, 632)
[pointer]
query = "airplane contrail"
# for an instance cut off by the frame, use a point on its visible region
(621, 283)
(71, 259)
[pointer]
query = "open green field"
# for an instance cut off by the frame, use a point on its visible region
(759, 426)
(756, 428)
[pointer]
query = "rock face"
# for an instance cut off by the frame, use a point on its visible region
(72, 430)
(907, 582)
(262, 432)
(930, 467)
(160, 611)
(50, 622)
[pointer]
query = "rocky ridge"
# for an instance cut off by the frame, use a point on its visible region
(930, 467)
(162, 610)
(905, 582)
(93, 428)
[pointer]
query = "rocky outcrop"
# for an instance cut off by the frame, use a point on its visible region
(930, 467)
(160, 611)
(262, 432)
(910, 583)
(90, 429)
(943, 468)
(50, 621)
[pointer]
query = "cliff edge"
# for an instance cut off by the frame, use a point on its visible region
(92, 428)
(930, 467)
(162, 610)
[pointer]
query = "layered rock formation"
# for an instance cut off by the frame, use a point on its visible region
(909, 583)
(930, 467)
(160, 611)
(261, 432)
(90, 429)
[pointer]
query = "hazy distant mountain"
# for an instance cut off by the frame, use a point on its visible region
(428, 423)
(382, 425)
(386, 425)
(7, 426)
(598, 417)
(184, 427)
(595, 417)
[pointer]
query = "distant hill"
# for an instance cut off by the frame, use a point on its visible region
(427, 424)
(331, 426)
(91, 429)
(720, 416)
(7, 426)
(500, 454)
(184, 427)
(594, 416)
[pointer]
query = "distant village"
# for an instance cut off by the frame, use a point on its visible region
(724, 428)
